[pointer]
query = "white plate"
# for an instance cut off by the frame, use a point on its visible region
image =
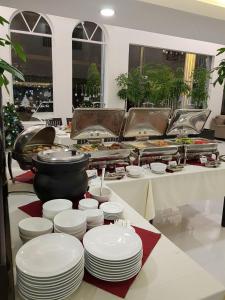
(111, 208)
(70, 220)
(53, 207)
(49, 255)
(34, 226)
(111, 242)
(93, 215)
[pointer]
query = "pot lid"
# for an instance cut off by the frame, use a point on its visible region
(188, 121)
(96, 123)
(146, 122)
(64, 155)
(34, 135)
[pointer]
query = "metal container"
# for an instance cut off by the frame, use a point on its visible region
(95, 126)
(31, 141)
(60, 174)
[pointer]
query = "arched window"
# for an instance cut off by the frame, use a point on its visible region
(88, 56)
(35, 95)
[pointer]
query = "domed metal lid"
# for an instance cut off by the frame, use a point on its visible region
(64, 155)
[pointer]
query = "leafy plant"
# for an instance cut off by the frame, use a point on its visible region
(93, 80)
(199, 92)
(4, 66)
(220, 69)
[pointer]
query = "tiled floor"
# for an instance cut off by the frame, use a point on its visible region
(197, 231)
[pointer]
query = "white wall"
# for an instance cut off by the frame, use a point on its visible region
(116, 59)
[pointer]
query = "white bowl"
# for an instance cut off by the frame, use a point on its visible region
(53, 207)
(134, 170)
(158, 167)
(34, 226)
(69, 221)
(106, 194)
(88, 203)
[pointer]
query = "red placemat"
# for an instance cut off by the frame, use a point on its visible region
(26, 177)
(120, 289)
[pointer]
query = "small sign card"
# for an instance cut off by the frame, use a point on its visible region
(203, 159)
(120, 170)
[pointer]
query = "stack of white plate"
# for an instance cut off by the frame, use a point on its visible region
(88, 203)
(95, 217)
(158, 168)
(112, 253)
(112, 210)
(49, 267)
(53, 207)
(72, 222)
(30, 228)
(135, 171)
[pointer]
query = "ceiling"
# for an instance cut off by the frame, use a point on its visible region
(209, 8)
(183, 18)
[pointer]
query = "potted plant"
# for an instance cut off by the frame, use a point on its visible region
(220, 69)
(93, 84)
(199, 92)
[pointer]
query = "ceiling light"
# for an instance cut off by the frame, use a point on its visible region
(214, 2)
(107, 12)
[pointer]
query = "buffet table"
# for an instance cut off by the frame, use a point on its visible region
(159, 192)
(168, 273)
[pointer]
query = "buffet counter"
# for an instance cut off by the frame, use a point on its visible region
(167, 274)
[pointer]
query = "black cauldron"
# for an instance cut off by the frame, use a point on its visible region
(61, 179)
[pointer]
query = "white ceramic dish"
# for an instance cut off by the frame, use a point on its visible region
(70, 221)
(106, 194)
(158, 167)
(53, 207)
(112, 208)
(35, 226)
(49, 255)
(88, 203)
(94, 215)
(110, 242)
(135, 170)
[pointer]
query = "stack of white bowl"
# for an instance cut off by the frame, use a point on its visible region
(101, 196)
(53, 207)
(95, 217)
(50, 267)
(32, 227)
(88, 203)
(135, 171)
(112, 210)
(112, 253)
(158, 168)
(72, 222)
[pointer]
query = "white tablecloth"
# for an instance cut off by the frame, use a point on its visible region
(168, 274)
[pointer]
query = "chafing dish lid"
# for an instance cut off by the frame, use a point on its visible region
(34, 135)
(95, 123)
(65, 155)
(188, 121)
(146, 122)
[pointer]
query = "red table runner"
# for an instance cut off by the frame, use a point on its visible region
(120, 289)
(26, 177)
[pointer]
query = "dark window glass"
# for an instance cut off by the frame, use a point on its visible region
(90, 27)
(79, 33)
(31, 18)
(43, 27)
(97, 35)
(36, 92)
(86, 73)
(18, 23)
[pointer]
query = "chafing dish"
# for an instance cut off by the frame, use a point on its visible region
(143, 123)
(185, 122)
(95, 127)
(32, 141)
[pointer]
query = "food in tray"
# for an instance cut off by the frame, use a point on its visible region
(39, 148)
(159, 143)
(96, 147)
(190, 141)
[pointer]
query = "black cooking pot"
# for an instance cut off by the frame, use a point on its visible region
(59, 178)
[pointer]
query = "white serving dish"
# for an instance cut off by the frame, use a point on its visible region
(34, 226)
(88, 203)
(112, 208)
(110, 242)
(135, 170)
(94, 215)
(53, 207)
(158, 167)
(49, 255)
(106, 194)
(70, 221)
